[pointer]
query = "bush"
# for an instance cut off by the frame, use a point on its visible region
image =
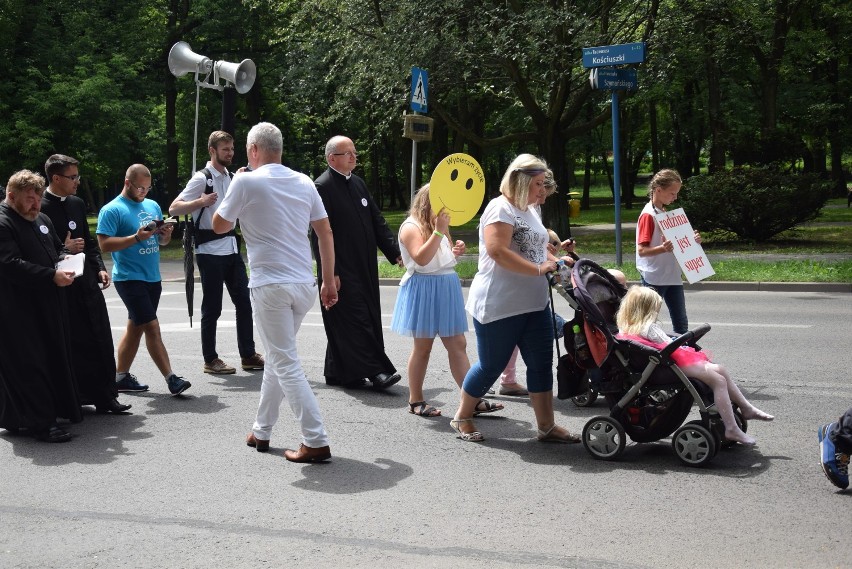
(754, 203)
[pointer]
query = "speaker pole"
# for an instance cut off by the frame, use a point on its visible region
(229, 109)
(195, 135)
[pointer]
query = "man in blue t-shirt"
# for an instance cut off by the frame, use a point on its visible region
(130, 228)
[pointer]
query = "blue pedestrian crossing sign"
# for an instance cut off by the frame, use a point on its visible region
(419, 90)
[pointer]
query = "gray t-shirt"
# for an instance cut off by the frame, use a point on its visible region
(496, 292)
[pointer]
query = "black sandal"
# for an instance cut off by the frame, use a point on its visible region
(489, 407)
(422, 409)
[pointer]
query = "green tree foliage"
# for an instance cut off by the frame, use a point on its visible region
(746, 81)
(754, 203)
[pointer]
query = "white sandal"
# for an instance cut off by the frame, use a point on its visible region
(474, 437)
(549, 436)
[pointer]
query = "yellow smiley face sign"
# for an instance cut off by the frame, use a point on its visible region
(457, 186)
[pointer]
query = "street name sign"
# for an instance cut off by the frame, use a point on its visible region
(607, 55)
(612, 79)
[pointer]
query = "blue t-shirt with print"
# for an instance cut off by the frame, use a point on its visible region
(122, 217)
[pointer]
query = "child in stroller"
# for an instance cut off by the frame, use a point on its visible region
(649, 395)
(637, 320)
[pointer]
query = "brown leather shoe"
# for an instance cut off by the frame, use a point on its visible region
(254, 362)
(259, 444)
(218, 367)
(308, 454)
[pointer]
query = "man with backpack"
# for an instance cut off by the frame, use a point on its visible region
(218, 257)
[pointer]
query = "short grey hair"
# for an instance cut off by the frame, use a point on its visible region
(266, 136)
(331, 145)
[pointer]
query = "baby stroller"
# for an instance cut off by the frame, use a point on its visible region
(648, 394)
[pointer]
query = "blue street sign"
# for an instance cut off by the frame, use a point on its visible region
(419, 90)
(612, 79)
(608, 55)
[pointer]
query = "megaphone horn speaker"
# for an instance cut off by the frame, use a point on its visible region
(183, 60)
(242, 75)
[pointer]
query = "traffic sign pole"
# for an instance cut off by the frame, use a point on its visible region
(413, 171)
(616, 176)
(601, 60)
(419, 104)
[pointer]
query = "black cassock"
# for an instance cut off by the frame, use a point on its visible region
(92, 349)
(356, 345)
(37, 385)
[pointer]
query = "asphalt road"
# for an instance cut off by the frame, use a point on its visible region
(173, 484)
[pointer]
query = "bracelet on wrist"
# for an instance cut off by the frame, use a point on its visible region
(136, 237)
(438, 233)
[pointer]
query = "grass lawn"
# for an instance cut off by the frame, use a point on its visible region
(824, 236)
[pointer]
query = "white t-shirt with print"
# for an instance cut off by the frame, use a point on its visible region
(500, 293)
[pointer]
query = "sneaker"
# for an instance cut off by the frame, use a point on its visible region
(254, 362)
(218, 367)
(130, 384)
(177, 385)
(835, 464)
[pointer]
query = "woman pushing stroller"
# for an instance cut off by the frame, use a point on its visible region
(637, 320)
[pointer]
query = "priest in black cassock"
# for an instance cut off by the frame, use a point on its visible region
(37, 385)
(92, 349)
(356, 346)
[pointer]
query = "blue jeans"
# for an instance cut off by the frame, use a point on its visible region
(531, 332)
(676, 304)
(230, 271)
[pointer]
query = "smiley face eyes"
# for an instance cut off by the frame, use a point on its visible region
(454, 176)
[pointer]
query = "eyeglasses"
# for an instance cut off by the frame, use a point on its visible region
(74, 178)
(135, 187)
(350, 153)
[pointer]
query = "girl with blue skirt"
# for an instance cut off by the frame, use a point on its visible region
(430, 301)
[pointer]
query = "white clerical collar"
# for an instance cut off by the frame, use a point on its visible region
(347, 176)
(61, 198)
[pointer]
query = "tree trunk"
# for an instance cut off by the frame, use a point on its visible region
(655, 140)
(714, 111)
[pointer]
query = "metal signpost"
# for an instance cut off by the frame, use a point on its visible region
(603, 76)
(419, 104)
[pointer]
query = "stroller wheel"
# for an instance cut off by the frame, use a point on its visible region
(694, 444)
(604, 437)
(717, 434)
(585, 399)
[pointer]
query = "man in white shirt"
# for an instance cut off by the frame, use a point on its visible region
(218, 257)
(276, 206)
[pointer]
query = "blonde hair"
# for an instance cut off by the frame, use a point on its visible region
(639, 308)
(421, 211)
(663, 179)
(554, 238)
(515, 185)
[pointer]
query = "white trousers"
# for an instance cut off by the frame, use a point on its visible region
(278, 311)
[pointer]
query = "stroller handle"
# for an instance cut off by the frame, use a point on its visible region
(688, 337)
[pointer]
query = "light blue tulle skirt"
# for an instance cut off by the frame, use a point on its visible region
(429, 306)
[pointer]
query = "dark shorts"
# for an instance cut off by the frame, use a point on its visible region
(141, 299)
